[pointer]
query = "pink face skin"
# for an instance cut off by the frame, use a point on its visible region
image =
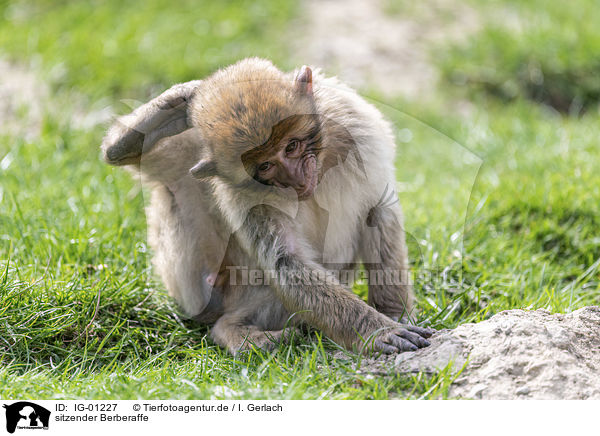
(291, 166)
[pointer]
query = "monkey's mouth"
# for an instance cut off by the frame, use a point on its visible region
(309, 168)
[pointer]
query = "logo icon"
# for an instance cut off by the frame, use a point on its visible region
(26, 415)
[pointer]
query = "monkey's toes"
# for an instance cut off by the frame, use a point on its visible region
(122, 145)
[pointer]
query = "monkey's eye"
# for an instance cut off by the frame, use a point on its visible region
(265, 166)
(292, 146)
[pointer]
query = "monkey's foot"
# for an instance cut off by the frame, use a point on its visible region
(268, 340)
(401, 338)
(239, 339)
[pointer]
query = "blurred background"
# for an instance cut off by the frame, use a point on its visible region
(495, 105)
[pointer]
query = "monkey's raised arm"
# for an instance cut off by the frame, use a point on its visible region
(136, 133)
(304, 287)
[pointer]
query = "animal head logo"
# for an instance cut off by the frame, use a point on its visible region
(25, 414)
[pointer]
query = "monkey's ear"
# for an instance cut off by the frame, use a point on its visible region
(136, 133)
(204, 169)
(304, 80)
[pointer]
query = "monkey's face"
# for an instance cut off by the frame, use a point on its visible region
(289, 158)
(256, 122)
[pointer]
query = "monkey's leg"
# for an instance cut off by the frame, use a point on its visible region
(385, 257)
(231, 332)
(136, 133)
(305, 288)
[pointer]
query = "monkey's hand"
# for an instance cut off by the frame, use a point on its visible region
(399, 338)
(319, 300)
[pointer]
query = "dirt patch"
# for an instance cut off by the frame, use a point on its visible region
(25, 98)
(518, 354)
(370, 46)
(22, 100)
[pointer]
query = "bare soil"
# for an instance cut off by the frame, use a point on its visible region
(369, 46)
(518, 354)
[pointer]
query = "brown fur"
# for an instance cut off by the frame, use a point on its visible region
(234, 117)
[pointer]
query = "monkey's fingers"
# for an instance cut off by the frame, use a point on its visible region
(414, 338)
(423, 331)
(399, 343)
(379, 345)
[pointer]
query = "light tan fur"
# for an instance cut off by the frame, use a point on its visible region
(227, 219)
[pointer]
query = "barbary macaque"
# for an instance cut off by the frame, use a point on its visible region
(288, 174)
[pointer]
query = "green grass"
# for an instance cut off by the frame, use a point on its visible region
(126, 49)
(535, 49)
(505, 200)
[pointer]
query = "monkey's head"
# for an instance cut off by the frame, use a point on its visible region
(259, 124)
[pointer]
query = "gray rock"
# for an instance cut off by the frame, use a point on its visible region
(518, 354)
